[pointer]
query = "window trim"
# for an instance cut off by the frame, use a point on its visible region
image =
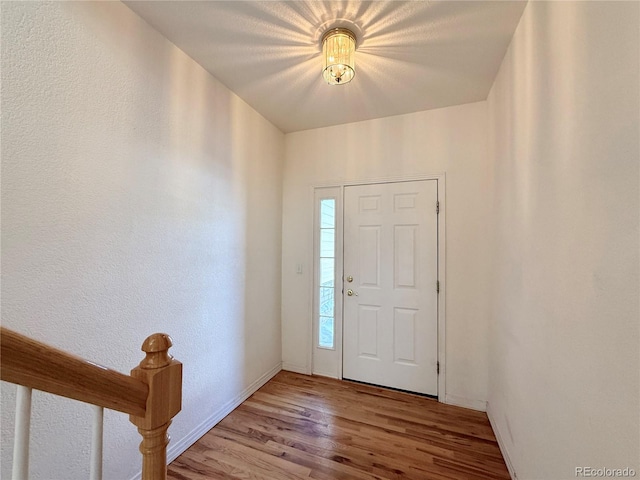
(323, 360)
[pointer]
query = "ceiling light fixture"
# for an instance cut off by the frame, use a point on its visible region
(338, 56)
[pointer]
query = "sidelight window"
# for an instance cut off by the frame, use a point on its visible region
(326, 273)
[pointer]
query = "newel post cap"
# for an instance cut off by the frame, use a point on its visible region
(156, 347)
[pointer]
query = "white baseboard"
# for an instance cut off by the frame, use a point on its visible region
(295, 368)
(503, 448)
(459, 401)
(178, 448)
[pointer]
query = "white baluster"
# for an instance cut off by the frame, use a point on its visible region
(21, 438)
(96, 443)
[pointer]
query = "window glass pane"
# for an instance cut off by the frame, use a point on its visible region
(327, 273)
(327, 213)
(327, 242)
(326, 332)
(326, 301)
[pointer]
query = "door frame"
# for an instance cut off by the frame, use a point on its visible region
(441, 218)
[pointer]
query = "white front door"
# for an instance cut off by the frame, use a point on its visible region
(390, 277)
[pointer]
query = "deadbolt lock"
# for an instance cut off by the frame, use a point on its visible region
(349, 279)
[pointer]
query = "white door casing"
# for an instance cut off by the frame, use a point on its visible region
(391, 250)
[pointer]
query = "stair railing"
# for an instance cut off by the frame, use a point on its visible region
(151, 395)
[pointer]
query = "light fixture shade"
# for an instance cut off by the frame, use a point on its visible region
(338, 56)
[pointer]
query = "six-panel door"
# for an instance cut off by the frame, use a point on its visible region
(391, 304)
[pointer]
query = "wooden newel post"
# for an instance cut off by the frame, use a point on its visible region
(163, 374)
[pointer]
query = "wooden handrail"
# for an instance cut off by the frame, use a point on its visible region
(36, 365)
(152, 395)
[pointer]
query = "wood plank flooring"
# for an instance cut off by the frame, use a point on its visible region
(298, 426)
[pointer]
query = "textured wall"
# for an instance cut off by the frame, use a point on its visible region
(564, 165)
(138, 195)
(451, 140)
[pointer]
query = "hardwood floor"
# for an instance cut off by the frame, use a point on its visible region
(298, 426)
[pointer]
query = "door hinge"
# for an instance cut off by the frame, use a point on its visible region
(438, 368)
(438, 286)
(437, 207)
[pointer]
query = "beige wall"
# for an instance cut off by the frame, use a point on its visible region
(451, 140)
(564, 157)
(138, 195)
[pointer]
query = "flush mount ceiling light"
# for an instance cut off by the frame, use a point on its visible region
(338, 56)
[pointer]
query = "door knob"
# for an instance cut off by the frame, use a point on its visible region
(351, 293)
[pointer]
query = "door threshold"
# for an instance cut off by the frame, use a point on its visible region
(426, 395)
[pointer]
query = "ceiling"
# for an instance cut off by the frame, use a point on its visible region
(411, 56)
